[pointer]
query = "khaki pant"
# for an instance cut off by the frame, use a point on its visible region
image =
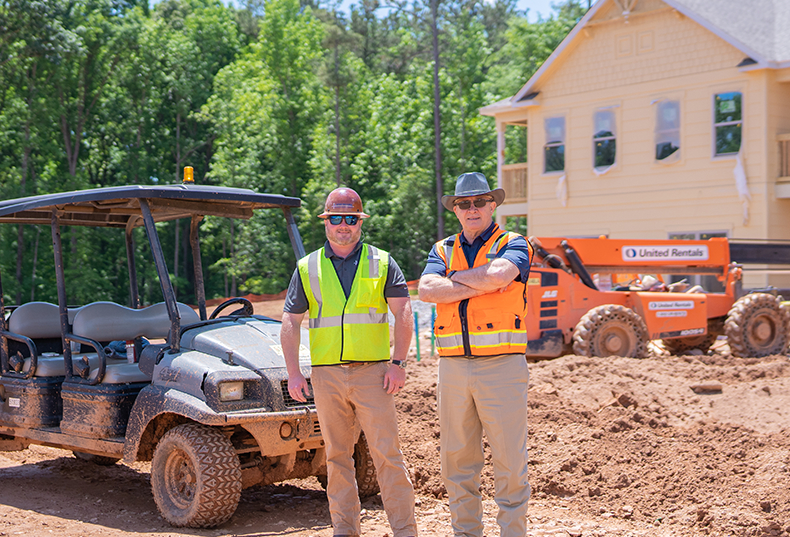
(475, 395)
(346, 397)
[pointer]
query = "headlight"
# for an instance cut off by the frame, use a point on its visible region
(231, 391)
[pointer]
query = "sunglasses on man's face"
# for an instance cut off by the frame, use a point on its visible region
(350, 219)
(467, 204)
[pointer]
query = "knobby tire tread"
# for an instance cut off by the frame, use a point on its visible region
(218, 488)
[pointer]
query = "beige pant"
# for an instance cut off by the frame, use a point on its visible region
(346, 397)
(476, 395)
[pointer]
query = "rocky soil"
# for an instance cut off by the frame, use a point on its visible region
(665, 446)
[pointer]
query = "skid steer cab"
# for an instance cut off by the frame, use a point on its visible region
(607, 297)
(204, 398)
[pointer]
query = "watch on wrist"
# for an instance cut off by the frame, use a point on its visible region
(450, 275)
(399, 363)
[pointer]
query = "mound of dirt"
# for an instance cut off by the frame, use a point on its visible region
(665, 446)
(694, 445)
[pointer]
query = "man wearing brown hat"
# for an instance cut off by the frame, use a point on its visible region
(347, 287)
(478, 280)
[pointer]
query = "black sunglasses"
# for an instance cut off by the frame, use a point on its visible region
(350, 219)
(479, 203)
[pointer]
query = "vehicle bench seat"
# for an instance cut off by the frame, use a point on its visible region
(108, 321)
(54, 366)
(103, 322)
(38, 320)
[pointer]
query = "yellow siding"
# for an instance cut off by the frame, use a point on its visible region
(778, 121)
(650, 47)
(659, 54)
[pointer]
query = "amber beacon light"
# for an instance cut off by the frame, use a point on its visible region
(189, 175)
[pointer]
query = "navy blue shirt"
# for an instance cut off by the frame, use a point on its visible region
(516, 251)
(346, 268)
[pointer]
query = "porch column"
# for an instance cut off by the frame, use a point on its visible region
(500, 161)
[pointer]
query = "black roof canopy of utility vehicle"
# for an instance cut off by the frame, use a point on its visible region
(116, 206)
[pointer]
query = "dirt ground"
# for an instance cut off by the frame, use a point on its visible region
(617, 447)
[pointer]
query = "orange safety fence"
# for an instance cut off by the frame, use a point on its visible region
(250, 297)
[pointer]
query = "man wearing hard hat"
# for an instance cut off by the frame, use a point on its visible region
(347, 287)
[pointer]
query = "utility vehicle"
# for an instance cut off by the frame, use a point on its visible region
(206, 401)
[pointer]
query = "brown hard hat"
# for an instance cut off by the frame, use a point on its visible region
(343, 200)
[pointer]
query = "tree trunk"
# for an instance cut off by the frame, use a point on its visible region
(233, 289)
(178, 144)
(20, 251)
(35, 263)
(175, 257)
(224, 256)
(437, 120)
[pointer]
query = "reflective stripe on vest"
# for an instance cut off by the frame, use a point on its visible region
(347, 330)
(492, 324)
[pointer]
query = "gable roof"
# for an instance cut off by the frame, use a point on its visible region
(758, 28)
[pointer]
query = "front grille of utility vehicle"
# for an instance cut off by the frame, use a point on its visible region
(290, 401)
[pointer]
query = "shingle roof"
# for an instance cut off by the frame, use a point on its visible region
(760, 26)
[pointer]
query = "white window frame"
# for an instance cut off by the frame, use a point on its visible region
(600, 170)
(554, 143)
(660, 134)
(726, 124)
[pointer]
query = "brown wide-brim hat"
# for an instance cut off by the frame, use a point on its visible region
(472, 184)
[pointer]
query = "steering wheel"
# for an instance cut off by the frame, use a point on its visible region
(246, 310)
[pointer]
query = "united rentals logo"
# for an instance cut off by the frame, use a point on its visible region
(665, 253)
(671, 305)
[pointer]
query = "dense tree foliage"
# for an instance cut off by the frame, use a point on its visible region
(282, 96)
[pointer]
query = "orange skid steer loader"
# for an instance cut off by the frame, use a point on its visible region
(585, 298)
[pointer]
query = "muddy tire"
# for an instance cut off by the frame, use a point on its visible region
(367, 483)
(610, 330)
(95, 459)
(703, 343)
(757, 325)
(195, 476)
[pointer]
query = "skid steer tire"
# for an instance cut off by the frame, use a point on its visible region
(195, 476)
(367, 482)
(757, 325)
(610, 330)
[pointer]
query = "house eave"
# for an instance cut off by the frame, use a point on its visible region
(505, 105)
(764, 65)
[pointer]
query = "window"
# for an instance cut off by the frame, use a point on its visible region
(668, 131)
(727, 122)
(554, 150)
(710, 284)
(604, 143)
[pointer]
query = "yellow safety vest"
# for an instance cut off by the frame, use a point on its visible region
(485, 325)
(347, 330)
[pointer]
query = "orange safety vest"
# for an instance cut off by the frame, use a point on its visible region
(485, 325)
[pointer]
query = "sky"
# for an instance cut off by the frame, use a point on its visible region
(536, 7)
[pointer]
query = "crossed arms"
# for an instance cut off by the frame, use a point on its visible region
(463, 284)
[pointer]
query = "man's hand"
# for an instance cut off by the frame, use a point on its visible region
(290, 339)
(394, 379)
(298, 387)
